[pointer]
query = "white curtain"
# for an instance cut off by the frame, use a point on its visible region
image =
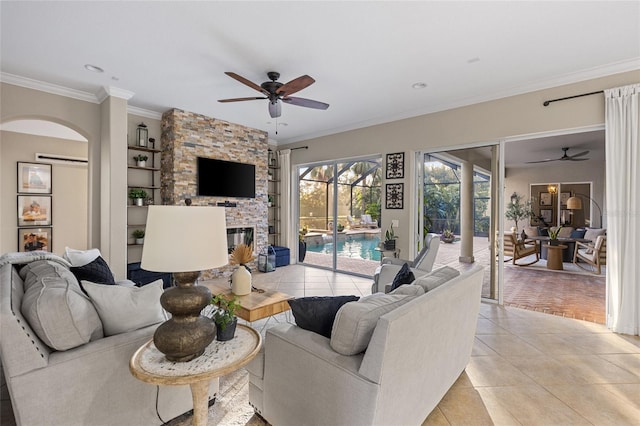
(286, 211)
(623, 208)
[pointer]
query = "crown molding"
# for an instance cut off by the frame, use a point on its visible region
(110, 91)
(144, 113)
(42, 86)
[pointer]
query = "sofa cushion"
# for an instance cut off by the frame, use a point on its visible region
(436, 278)
(96, 271)
(123, 309)
(409, 290)
(57, 310)
(317, 313)
(356, 321)
(404, 276)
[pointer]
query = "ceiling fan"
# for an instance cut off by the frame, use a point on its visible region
(565, 157)
(275, 92)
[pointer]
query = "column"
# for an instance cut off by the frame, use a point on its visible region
(466, 213)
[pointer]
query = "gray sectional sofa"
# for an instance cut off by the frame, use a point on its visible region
(390, 359)
(89, 384)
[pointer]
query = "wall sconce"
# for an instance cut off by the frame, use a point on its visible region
(552, 189)
(514, 198)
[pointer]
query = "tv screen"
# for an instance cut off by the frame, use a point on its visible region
(218, 178)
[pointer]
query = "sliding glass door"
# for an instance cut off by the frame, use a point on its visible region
(339, 213)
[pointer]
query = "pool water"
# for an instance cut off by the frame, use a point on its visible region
(354, 247)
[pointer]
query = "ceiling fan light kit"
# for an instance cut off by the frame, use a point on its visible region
(275, 92)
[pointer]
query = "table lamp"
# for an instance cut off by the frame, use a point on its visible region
(185, 240)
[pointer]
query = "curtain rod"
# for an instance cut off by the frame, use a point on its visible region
(546, 103)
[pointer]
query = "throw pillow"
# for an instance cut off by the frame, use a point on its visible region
(80, 257)
(317, 313)
(436, 278)
(96, 271)
(57, 310)
(578, 233)
(593, 233)
(404, 276)
(543, 232)
(355, 322)
(124, 309)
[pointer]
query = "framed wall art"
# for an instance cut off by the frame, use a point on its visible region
(34, 210)
(545, 199)
(564, 196)
(395, 196)
(32, 239)
(395, 165)
(546, 215)
(34, 178)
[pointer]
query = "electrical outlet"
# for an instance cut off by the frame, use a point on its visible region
(395, 223)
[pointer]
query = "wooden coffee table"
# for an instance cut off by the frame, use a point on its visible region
(255, 305)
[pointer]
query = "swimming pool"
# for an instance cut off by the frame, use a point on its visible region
(355, 246)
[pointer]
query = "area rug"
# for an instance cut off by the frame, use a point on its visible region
(568, 268)
(232, 405)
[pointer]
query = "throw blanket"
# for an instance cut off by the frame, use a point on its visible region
(18, 258)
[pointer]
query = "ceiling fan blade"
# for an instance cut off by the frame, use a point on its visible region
(580, 154)
(246, 82)
(309, 103)
(543, 161)
(295, 85)
(576, 159)
(240, 99)
(275, 109)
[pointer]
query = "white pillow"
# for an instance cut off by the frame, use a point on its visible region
(123, 309)
(57, 310)
(80, 257)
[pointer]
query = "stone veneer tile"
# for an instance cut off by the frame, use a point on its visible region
(186, 136)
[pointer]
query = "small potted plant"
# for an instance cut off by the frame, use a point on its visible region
(141, 160)
(138, 196)
(302, 244)
(448, 236)
(553, 236)
(270, 202)
(138, 234)
(225, 317)
(390, 239)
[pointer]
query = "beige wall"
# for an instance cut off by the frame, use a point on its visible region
(475, 124)
(69, 190)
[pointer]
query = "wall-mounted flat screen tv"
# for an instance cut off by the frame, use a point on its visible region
(219, 178)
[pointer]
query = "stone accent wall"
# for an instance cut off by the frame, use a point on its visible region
(186, 136)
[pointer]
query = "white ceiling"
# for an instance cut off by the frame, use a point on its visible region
(364, 55)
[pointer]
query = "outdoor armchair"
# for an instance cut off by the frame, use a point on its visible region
(595, 255)
(518, 249)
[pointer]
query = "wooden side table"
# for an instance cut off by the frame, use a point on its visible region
(150, 365)
(554, 256)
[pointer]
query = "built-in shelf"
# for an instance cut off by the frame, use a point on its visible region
(152, 169)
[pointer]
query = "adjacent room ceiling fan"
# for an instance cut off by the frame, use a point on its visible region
(565, 157)
(275, 92)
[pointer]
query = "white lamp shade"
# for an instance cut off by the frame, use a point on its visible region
(184, 239)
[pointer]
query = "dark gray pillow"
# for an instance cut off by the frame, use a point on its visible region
(97, 272)
(317, 313)
(404, 276)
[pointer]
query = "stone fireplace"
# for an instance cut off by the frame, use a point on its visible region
(240, 235)
(187, 136)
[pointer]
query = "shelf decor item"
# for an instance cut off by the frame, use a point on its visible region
(138, 234)
(142, 134)
(141, 160)
(185, 240)
(138, 196)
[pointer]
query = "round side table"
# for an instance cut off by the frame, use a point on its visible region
(219, 358)
(554, 256)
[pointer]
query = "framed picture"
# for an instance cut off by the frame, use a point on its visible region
(545, 199)
(34, 178)
(31, 239)
(547, 215)
(565, 217)
(34, 210)
(395, 165)
(395, 196)
(564, 196)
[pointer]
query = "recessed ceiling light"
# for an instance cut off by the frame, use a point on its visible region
(283, 124)
(93, 68)
(419, 85)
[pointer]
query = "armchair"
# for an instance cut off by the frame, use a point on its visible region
(595, 255)
(366, 220)
(519, 249)
(422, 264)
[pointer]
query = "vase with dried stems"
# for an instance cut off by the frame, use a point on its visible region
(241, 255)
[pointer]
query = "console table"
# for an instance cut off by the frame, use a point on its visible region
(150, 365)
